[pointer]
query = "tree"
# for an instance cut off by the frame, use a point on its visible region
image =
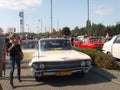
(117, 28)
(54, 33)
(107, 30)
(46, 34)
(97, 29)
(66, 31)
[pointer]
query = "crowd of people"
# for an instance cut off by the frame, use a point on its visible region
(12, 47)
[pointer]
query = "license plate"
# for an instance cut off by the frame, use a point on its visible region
(64, 73)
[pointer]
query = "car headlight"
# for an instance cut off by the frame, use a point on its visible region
(35, 66)
(88, 63)
(38, 66)
(41, 66)
(82, 63)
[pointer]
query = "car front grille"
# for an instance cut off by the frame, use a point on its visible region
(62, 65)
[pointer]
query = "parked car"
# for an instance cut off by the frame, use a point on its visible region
(75, 41)
(90, 43)
(28, 48)
(112, 47)
(55, 56)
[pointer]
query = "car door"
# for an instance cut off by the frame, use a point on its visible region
(116, 48)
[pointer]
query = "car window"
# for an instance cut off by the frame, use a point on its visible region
(74, 38)
(84, 41)
(29, 44)
(95, 39)
(117, 40)
(55, 44)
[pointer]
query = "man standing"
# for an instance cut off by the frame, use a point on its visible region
(2, 50)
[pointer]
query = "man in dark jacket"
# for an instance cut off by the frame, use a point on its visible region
(2, 51)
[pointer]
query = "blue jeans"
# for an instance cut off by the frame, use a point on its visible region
(14, 60)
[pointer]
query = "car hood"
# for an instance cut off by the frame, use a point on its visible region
(54, 56)
(28, 54)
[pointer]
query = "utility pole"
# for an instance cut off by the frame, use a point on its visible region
(28, 28)
(88, 8)
(57, 25)
(41, 26)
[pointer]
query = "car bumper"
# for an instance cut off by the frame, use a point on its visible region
(60, 72)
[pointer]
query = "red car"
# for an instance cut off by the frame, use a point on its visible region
(90, 43)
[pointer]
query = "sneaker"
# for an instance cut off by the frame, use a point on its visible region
(12, 86)
(20, 80)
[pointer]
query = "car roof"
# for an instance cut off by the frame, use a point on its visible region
(54, 39)
(29, 40)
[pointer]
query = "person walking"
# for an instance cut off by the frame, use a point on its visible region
(14, 48)
(2, 50)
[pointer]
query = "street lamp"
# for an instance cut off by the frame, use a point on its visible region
(38, 29)
(28, 27)
(51, 17)
(40, 20)
(88, 23)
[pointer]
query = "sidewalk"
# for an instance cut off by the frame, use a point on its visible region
(111, 75)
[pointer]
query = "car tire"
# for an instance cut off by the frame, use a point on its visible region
(109, 53)
(38, 78)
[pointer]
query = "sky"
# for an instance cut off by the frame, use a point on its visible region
(65, 13)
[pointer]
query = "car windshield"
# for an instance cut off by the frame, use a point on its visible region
(27, 44)
(95, 39)
(55, 44)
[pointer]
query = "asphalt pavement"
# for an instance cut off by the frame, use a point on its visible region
(111, 75)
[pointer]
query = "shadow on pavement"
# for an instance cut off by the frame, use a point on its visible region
(104, 73)
(90, 78)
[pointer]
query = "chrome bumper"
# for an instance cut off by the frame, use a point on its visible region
(54, 71)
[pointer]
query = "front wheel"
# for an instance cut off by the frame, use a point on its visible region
(38, 78)
(109, 53)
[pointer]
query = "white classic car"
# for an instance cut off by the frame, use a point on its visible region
(55, 56)
(112, 47)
